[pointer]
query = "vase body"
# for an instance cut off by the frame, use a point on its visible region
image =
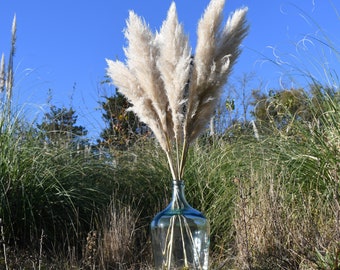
(180, 235)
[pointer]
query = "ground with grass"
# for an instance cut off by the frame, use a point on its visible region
(272, 201)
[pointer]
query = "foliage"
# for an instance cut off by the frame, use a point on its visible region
(47, 190)
(280, 109)
(58, 127)
(288, 201)
(123, 126)
(272, 200)
(284, 110)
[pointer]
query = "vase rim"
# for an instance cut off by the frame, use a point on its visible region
(177, 181)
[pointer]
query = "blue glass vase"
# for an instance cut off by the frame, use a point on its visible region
(180, 235)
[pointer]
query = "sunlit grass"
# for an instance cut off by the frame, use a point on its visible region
(272, 203)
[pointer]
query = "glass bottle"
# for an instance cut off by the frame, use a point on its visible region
(180, 234)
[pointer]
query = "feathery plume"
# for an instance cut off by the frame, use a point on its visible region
(174, 93)
(204, 93)
(142, 104)
(231, 37)
(142, 54)
(2, 74)
(207, 33)
(10, 76)
(174, 66)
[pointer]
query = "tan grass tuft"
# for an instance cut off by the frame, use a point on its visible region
(276, 229)
(116, 245)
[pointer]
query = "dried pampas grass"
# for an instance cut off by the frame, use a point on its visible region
(173, 92)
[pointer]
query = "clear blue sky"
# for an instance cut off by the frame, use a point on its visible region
(62, 45)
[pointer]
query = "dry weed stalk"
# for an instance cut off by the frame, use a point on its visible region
(3, 244)
(115, 245)
(277, 229)
(174, 93)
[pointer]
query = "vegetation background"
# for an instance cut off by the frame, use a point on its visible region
(269, 183)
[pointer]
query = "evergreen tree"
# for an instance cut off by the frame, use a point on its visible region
(123, 126)
(59, 127)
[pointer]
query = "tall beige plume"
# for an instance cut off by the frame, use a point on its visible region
(173, 92)
(174, 66)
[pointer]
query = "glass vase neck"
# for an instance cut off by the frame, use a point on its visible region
(178, 195)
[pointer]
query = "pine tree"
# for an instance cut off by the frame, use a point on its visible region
(59, 127)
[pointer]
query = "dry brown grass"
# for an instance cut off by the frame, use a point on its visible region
(278, 229)
(115, 244)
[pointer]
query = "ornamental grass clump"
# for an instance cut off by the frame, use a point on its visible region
(173, 90)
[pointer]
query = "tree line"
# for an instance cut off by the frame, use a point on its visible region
(276, 111)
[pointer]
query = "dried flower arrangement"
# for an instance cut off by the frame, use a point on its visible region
(172, 90)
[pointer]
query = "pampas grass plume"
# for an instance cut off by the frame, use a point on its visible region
(174, 66)
(174, 93)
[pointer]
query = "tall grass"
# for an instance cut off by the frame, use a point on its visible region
(287, 209)
(46, 191)
(273, 202)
